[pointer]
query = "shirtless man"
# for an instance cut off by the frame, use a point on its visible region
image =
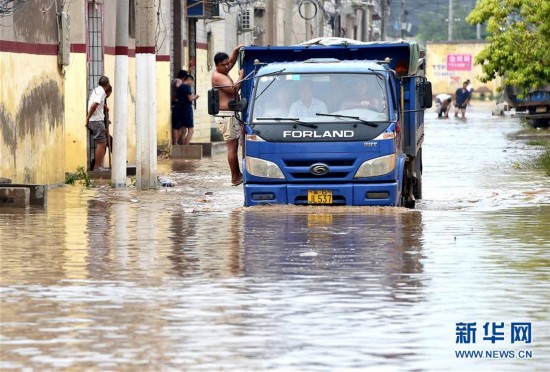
(228, 125)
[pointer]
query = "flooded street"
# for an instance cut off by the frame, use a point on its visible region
(185, 278)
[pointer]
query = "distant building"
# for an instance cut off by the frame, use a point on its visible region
(449, 64)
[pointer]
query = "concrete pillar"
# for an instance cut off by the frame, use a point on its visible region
(289, 21)
(321, 19)
(146, 141)
(308, 14)
(384, 20)
(120, 127)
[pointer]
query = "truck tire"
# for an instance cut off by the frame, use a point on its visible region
(405, 201)
(540, 123)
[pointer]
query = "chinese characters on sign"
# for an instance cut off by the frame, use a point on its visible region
(493, 332)
(459, 62)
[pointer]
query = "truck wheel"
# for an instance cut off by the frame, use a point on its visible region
(541, 123)
(405, 201)
(410, 204)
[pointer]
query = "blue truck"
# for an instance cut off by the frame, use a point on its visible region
(533, 105)
(332, 122)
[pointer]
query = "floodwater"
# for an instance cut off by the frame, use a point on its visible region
(185, 278)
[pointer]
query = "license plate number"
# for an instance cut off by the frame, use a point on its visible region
(319, 196)
(540, 109)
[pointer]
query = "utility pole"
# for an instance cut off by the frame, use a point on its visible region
(365, 26)
(308, 14)
(402, 20)
(450, 36)
(119, 147)
(384, 19)
(321, 19)
(270, 37)
(146, 141)
(478, 27)
(289, 7)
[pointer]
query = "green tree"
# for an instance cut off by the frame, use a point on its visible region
(519, 41)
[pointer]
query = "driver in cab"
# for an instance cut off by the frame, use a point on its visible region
(363, 97)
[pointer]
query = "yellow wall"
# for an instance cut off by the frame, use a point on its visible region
(75, 113)
(444, 81)
(31, 110)
(164, 125)
(43, 115)
(203, 79)
(131, 129)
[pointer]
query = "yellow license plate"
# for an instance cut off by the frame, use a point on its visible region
(319, 196)
(540, 109)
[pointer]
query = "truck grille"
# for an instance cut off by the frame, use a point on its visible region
(311, 176)
(339, 169)
(308, 163)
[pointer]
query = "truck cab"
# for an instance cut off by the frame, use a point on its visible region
(333, 125)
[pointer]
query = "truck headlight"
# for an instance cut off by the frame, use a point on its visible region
(376, 167)
(263, 168)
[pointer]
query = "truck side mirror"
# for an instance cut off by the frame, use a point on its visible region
(239, 105)
(213, 101)
(427, 95)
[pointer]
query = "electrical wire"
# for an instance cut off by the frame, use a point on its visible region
(44, 9)
(315, 7)
(160, 21)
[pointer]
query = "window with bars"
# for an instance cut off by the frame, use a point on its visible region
(95, 45)
(95, 62)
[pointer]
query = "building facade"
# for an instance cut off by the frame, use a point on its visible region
(52, 53)
(451, 63)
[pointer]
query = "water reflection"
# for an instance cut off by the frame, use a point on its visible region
(98, 228)
(375, 246)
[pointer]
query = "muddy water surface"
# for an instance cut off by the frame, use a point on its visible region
(185, 278)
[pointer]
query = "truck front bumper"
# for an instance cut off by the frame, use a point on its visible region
(374, 194)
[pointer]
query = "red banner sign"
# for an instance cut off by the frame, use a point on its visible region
(459, 62)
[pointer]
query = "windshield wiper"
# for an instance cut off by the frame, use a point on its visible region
(370, 124)
(296, 120)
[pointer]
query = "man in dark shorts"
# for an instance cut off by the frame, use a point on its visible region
(462, 96)
(177, 127)
(185, 99)
(95, 120)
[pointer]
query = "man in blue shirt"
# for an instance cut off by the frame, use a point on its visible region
(462, 96)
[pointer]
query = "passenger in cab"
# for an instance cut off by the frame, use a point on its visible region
(307, 105)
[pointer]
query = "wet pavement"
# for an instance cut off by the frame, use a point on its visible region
(185, 278)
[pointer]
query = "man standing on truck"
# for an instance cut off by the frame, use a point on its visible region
(226, 122)
(462, 97)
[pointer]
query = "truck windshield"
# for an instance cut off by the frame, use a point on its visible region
(304, 96)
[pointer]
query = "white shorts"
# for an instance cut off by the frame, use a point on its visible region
(228, 125)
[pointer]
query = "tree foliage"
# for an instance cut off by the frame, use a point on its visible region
(519, 41)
